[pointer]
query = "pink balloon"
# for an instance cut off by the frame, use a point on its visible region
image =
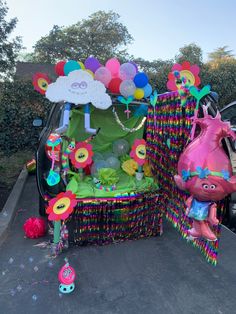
(113, 65)
(103, 75)
(205, 171)
(206, 152)
(127, 71)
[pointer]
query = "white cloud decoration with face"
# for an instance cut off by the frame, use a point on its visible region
(79, 87)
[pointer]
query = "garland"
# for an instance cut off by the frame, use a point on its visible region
(165, 142)
(104, 188)
(124, 128)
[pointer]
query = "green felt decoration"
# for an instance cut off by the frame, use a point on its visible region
(56, 231)
(53, 178)
(168, 143)
(199, 94)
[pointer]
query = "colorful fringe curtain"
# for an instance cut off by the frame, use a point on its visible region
(103, 221)
(168, 132)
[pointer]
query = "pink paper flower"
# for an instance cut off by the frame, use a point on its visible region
(138, 152)
(184, 70)
(82, 155)
(61, 206)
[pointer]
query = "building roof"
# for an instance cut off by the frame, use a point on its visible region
(26, 70)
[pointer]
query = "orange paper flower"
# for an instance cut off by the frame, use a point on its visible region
(82, 155)
(138, 152)
(40, 82)
(186, 70)
(61, 206)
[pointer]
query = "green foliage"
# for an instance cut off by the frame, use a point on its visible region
(20, 104)
(219, 54)
(191, 53)
(101, 35)
(221, 76)
(9, 48)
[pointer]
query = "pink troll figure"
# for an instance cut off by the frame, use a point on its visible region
(204, 170)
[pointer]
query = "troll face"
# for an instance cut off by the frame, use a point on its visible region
(212, 188)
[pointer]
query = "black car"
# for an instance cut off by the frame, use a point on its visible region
(54, 121)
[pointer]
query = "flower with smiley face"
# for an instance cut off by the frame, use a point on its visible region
(61, 206)
(82, 155)
(138, 152)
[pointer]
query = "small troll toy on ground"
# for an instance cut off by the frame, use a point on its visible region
(204, 170)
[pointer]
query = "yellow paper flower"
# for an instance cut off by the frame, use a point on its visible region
(130, 167)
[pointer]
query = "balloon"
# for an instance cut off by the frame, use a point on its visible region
(147, 90)
(205, 171)
(127, 88)
(90, 72)
(113, 163)
(139, 93)
(103, 75)
(120, 147)
(135, 65)
(92, 64)
(98, 156)
(59, 68)
(106, 155)
(70, 66)
(98, 165)
(127, 71)
(113, 65)
(81, 65)
(114, 85)
(140, 79)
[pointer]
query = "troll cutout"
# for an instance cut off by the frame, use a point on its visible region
(204, 170)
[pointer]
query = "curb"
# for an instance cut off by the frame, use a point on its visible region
(8, 212)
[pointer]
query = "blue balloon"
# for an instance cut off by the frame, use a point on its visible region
(140, 80)
(70, 66)
(147, 90)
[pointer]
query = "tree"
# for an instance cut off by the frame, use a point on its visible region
(191, 53)
(8, 48)
(101, 35)
(157, 71)
(221, 78)
(219, 54)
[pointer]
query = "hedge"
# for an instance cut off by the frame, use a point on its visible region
(19, 106)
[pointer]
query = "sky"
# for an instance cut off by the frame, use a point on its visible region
(159, 27)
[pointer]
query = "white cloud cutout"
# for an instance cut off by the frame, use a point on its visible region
(79, 87)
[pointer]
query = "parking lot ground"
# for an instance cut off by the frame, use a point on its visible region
(155, 275)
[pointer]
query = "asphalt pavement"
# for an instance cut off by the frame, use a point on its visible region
(155, 275)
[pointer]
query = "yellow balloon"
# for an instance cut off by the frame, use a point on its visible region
(90, 72)
(81, 65)
(139, 93)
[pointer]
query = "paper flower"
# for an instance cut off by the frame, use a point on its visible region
(183, 74)
(82, 155)
(61, 206)
(41, 82)
(138, 152)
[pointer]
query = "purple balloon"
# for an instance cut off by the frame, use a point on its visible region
(92, 64)
(135, 65)
(127, 71)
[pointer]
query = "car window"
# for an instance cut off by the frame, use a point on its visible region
(229, 114)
